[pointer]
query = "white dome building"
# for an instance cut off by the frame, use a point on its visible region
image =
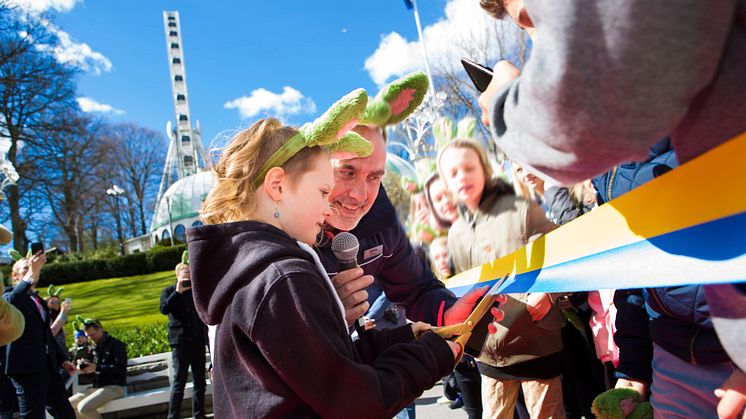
(182, 201)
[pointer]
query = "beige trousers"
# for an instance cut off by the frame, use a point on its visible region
(86, 402)
(543, 398)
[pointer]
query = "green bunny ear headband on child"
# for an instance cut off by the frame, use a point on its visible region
(332, 129)
(396, 101)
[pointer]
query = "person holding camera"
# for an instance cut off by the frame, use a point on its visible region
(31, 362)
(187, 338)
(110, 367)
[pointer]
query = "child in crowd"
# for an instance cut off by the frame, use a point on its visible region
(81, 353)
(282, 345)
(525, 350)
(440, 203)
(441, 265)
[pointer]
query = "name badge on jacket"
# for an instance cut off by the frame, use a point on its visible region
(373, 251)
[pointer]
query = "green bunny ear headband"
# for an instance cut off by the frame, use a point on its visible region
(16, 255)
(332, 129)
(185, 257)
(395, 102)
(80, 323)
(54, 292)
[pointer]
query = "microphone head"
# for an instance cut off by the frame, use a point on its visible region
(345, 247)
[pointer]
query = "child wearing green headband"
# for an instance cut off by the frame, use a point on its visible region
(282, 346)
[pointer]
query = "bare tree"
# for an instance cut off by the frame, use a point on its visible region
(140, 153)
(73, 160)
(33, 85)
(502, 40)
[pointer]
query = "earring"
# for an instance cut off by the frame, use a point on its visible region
(277, 212)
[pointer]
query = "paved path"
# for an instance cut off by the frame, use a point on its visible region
(428, 408)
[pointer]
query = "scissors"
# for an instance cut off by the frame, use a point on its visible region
(464, 330)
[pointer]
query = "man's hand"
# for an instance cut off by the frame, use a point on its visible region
(640, 386)
(89, 369)
(183, 285)
(460, 311)
(69, 367)
(538, 305)
(37, 261)
(350, 286)
(503, 72)
(732, 395)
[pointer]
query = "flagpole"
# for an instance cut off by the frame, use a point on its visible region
(422, 44)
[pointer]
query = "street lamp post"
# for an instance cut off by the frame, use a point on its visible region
(170, 223)
(115, 191)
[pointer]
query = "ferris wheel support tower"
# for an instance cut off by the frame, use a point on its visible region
(186, 155)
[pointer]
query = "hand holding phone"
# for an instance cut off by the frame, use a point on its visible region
(37, 247)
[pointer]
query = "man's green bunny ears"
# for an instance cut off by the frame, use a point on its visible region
(16, 255)
(185, 257)
(395, 102)
(80, 323)
(332, 129)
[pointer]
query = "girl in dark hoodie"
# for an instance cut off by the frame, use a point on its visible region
(282, 346)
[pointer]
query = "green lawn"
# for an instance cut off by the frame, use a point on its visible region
(119, 302)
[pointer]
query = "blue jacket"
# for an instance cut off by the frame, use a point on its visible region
(386, 254)
(675, 318)
(625, 177)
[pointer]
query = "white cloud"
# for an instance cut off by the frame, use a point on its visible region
(289, 102)
(67, 51)
(79, 54)
(465, 31)
(90, 105)
(38, 6)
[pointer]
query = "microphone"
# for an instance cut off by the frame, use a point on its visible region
(345, 247)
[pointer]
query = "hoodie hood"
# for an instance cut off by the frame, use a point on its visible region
(223, 258)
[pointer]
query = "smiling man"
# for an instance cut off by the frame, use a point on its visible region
(360, 206)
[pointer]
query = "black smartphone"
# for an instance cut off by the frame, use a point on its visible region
(479, 74)
(37, 247)
(187, 283)
(479, 334)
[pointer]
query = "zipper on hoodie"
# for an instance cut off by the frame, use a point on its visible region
(692, 359)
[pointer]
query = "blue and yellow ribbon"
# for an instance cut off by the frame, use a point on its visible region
(685, 227)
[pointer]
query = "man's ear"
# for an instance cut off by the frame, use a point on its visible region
(274, 182)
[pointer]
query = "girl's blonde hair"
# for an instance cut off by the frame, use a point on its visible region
(489, 180)
(233, 197)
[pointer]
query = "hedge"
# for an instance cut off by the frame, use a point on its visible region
(143, 340)
(156, 259)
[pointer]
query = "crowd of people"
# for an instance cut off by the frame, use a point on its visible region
(612, 96)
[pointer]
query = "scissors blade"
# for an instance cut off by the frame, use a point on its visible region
(484, 305)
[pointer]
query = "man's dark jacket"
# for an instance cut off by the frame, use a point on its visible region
(184, 325)
(386, 254)
(28, 354)
(111, 362)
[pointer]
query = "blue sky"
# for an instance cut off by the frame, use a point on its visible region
(313, 51)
